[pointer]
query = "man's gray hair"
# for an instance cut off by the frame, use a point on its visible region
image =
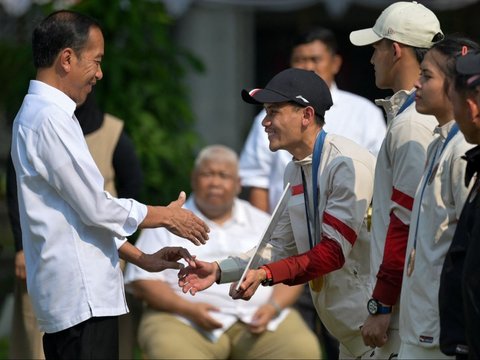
(218, 153)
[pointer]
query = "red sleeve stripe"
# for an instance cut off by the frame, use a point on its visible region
(346, 231)
(402, 199)
(297, 189)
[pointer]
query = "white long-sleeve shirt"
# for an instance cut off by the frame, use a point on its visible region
(71, 227)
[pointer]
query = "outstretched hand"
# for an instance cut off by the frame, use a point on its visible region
(185, 224)
(198, 277)
(249, 285)
(167, 258)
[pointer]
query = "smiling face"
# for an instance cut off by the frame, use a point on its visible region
(85, 69)
(283, 125)
(216, 184)
(431, 97)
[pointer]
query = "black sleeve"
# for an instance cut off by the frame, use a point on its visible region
(128, 171)
(12, 205)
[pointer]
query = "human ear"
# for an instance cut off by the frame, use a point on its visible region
(397, 50)
(308, 116)
(337, 64)
(474, 110)
(65, 59)
(238, 186)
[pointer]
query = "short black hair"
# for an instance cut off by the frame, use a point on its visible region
(59, 30)
(321, 34)
(319, 119)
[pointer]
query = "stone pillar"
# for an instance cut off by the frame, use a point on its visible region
(222, 37)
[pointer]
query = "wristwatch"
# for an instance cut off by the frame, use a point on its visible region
(374, 307)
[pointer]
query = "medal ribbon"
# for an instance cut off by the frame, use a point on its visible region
(317, 154)
(407, 103)
(453, 131)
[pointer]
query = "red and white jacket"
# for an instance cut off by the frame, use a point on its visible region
(400, 165)
(341, 255)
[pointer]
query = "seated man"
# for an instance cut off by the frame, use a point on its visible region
(215, 325)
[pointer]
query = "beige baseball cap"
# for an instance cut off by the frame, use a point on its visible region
(408, 23)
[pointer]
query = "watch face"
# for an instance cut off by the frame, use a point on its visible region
(372, 306)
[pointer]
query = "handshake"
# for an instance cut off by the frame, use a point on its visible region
(200, 275)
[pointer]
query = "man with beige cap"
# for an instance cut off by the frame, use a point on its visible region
(400, 38)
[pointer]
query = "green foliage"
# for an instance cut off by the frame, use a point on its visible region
(142, 84)
(4, 348)
(16, 68)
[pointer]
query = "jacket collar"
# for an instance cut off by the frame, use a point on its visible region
(473, 163)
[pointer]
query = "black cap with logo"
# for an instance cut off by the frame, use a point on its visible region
(469, 64)
(296, 85)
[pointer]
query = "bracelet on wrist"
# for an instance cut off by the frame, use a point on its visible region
(269, 278)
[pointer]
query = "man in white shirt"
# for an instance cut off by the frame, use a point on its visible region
(400, 38)
(216, 326)
(73, 231)
(351, 116)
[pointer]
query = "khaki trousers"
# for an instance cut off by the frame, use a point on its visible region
(163, 336)
(25, 337)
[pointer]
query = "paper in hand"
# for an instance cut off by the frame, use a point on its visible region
(277, 213)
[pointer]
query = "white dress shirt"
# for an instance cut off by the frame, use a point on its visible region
(351, 116)
(239, 234)
(71, 227)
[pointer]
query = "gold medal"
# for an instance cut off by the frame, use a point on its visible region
(369, 218)
(316, 284)
(411, 263)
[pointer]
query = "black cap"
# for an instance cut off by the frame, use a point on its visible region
(469, 64)
(300, 86)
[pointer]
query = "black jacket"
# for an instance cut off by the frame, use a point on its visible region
(457, 311)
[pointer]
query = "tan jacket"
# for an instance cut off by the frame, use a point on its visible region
(102, 144)
(345, 181)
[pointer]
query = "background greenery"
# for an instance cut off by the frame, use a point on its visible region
(142, 84)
